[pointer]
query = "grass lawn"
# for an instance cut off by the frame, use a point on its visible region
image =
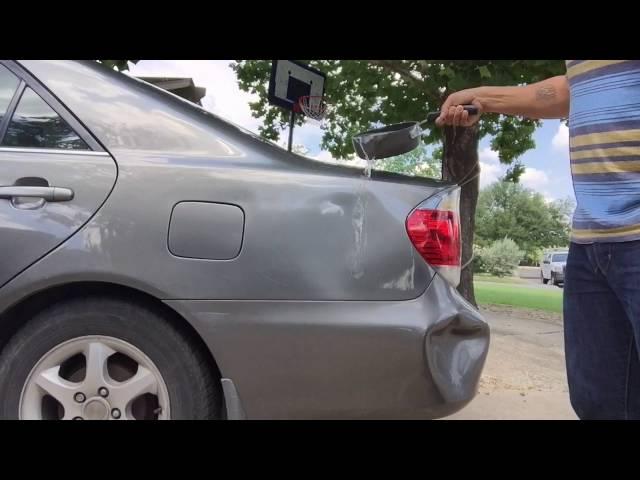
(485, 277)
(488, 292)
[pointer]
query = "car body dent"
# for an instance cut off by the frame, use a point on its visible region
(403, 359)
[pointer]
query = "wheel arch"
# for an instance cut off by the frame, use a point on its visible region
(12, 319)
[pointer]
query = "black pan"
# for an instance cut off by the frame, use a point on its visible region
(394, 139)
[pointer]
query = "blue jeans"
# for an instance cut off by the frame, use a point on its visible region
(602, 329)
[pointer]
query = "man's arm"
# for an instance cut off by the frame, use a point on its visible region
(546, 99)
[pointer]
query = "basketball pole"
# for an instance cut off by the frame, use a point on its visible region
(291, 122)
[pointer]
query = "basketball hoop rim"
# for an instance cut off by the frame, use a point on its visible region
(298, 107)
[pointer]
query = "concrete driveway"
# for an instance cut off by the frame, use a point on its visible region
(525, 377)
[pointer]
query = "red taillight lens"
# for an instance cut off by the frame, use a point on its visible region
(436, 235)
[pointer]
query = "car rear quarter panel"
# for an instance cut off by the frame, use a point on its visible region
(312, 231)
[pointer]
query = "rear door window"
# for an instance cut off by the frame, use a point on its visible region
(36, 125)
(8, 86)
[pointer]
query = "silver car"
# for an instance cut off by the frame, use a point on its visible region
(554, 265)
(159, 262)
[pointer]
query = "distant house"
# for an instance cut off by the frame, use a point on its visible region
(183, 87)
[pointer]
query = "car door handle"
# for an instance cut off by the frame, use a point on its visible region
(49, 194)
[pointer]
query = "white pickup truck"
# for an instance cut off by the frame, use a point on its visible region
(553, 267)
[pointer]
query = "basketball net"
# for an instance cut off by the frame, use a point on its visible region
(313, 107)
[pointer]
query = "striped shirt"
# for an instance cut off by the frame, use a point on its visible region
(604, 139)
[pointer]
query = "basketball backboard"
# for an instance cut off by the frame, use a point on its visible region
(291, 80)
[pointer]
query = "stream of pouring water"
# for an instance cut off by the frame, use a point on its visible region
(358, 220)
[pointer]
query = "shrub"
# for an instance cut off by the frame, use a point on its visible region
(502, 257)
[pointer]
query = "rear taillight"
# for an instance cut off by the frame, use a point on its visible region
(435, 234)
(434, 230)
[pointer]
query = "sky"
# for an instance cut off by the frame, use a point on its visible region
(547, 165)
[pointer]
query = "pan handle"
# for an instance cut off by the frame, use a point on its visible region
(472, 109)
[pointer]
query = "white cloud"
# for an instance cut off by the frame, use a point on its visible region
(224, 97)
(325, 156)
(534, 179)
(531, 178)
(491, 170)
(490, 173)
(560, 140)
(309, 134)
(487, 155)
(490, 167)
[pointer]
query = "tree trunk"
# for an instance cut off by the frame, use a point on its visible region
(460, 164)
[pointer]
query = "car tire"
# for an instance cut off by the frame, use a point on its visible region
(544, 280)
(178, 371)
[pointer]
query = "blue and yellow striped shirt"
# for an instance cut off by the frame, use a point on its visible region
(604, 139)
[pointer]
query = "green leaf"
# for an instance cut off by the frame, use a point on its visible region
(448, 72)
(484, 72)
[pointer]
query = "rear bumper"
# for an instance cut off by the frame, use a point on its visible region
(287, 359)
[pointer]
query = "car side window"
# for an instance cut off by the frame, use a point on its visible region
(8, 85)
(36, 125)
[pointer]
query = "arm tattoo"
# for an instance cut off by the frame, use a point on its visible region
(546, 93)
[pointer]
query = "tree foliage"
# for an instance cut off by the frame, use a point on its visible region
(507, 209)
(415, 163)
(367, 93)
